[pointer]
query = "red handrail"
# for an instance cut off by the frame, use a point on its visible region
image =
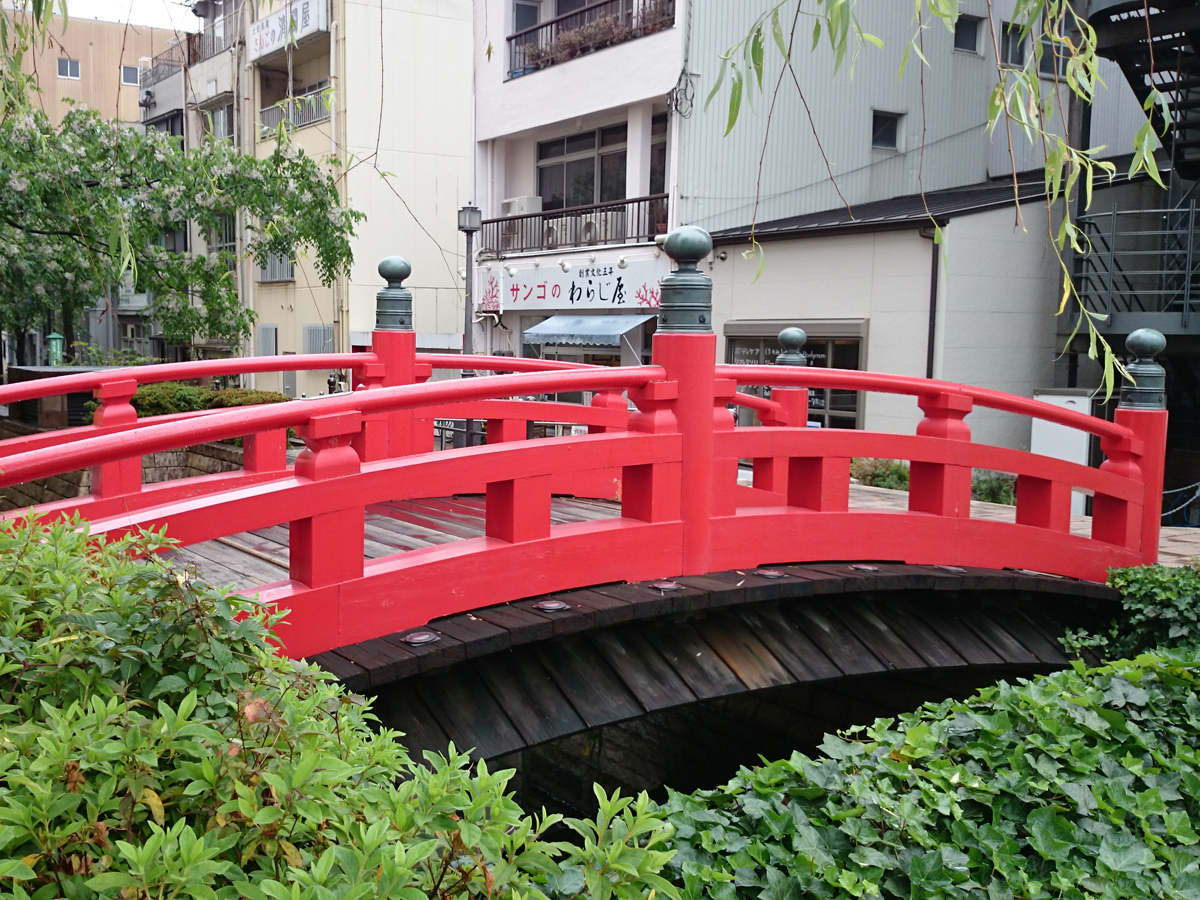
(851, 380)
(22, 467)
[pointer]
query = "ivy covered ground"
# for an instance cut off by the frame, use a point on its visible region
(153, 746)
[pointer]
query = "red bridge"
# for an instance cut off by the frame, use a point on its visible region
(661, 443)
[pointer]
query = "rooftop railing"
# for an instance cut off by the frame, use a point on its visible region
(594, 27)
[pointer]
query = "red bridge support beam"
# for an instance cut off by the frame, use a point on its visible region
(327, 548)
(936, 488)
(124, 476)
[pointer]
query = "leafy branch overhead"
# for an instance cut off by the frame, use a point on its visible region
(86, 206)
(1024, 99)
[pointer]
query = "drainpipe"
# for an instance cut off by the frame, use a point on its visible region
(934, 257)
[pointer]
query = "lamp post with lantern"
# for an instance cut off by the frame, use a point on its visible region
(470, 220)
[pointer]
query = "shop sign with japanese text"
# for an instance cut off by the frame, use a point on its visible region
(601, 285)
(297, 19)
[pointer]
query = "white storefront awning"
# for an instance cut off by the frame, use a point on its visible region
(594, 331)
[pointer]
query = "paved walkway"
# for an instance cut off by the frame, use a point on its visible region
(1176, 546)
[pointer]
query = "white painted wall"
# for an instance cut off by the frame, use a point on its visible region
(1001, 284)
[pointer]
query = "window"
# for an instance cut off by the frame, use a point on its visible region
(68, 68)
(277, 268)
(218, 123)
(827, 408)
(1051, 65)
(966, 34)
(172, 124)
(129, 75)
(658, 154)
(885, 131)
(1012, 46)
(525, 14)
(582, 169)
(268, 340)
(318, 338)
(174, 240)
(562, 7)
(223, 239)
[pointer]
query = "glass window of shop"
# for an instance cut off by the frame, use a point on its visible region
(827, 408)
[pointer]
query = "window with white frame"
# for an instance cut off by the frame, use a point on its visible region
(526, 14)
(966, 34)
(318, 338)
(68, 68)
(1012, 46)
(223, 239)
(583, 169)
(1053, 61)
(129, 75)
(278, 268)
(218, 123)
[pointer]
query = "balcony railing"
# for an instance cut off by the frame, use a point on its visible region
(296, 113)
(593, 27)
(632, 221)
(163, 66)
(222, 33)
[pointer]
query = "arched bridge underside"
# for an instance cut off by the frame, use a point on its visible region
(752, 644)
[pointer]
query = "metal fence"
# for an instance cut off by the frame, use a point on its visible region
(163, 66)
(593, 27)
(296, 113)
(636, 220)
(222, 33)
(1140, 261)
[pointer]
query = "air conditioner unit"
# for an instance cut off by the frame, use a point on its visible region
(557, 234)
(520, 206)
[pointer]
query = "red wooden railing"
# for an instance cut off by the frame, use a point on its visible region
(672, 463)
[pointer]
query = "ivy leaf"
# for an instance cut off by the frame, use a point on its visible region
(1135, 857)
(1050, 834)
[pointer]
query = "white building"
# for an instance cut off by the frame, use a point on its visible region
(591, 140)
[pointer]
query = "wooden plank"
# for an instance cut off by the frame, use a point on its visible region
(606, 610)
(478, 636)
(818, 582)
(737, 646)
(945, 618)
(698, 664)
(594, 690)
(572, 620)
(1045, 649)
(403, 709)
(251, 568)
(384, 662)
(865, 576)
(903, 620)
(724, 589)
(788, 644)
(280, 534)
(1004, 644)
(522, 625)
(355, 678)
(468, 713)
(213, 573)
(531, 699)
(402, 531)
(835, 640)
(445, 651)
(650, 602)
(878, 636)
(425, 523)
(642, 668)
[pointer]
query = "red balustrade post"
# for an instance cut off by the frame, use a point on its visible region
(518, 509)
(265, 451)
(937, 488)
(650, 493)
(613, 400)
(328, 548)
(503, 431)
(770, 473)
(371, 443)
(685, 346)
(124, 476)
(725, 470)
(1142, 410)
(395, 344)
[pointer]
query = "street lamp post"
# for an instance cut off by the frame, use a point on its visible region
(470, 220)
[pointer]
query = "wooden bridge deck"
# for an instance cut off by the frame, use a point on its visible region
(253, 558)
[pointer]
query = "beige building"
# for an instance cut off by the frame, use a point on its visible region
(96, 64)
(380, 93)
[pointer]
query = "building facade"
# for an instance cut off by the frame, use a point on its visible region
(592, 140)
(381, 95)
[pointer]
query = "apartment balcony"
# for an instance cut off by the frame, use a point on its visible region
(162, 66)
(586, 30)
(297, 112)
(636, 220)
(218, 35)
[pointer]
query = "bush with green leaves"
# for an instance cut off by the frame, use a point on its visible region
(1082, 784)
(1160, 607)
(153, 745)
(165, 398)
(994, 487)
(884, 473)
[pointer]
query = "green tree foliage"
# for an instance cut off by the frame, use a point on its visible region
(153, 745)
(1082, 784)
(86, 205)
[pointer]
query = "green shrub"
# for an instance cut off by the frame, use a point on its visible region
(1082, 784)
(993, 487)
(1160, 608)
(152, 745)
(230, 397)
(165, 398)
(884, 473)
